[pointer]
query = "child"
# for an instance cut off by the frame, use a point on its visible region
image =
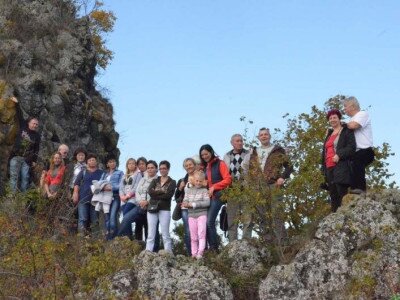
(197, 202)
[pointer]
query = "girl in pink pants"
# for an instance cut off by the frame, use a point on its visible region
(197, 202)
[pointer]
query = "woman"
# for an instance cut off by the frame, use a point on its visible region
(189, 164)
(339, 147)
(54, 176)
(161, 191)
(114, 176)
(79, 165)
(138, 213)
(128, 185)
(218, 179)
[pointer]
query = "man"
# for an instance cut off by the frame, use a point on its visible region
(63, 149)
(272, 163)
(87, 215)
(233, 160)
(24, 155)
(360, 122)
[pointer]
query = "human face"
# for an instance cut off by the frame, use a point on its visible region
(237, 143)
(80, 157)
(264, 137)
(163, 170)
(190, 167)
(33, 124)
(151, 170)
(92, 162)
(112, 164)
(132, 166)
(57, 159)
(205, 155)
(142, 166)
(348, 108)
(198, 182)
(334, 121)
(64, 150)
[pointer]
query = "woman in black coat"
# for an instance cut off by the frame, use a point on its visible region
(339, 148)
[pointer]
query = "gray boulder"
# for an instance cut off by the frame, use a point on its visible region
(355, 254)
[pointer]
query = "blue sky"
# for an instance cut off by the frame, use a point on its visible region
(184, 72)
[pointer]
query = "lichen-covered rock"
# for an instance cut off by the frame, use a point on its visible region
(121, 285)
(160, 275)
(245, 258)
(355, 254)
(48, 61)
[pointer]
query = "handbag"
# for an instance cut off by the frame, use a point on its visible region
(177, 213)
(153, 206)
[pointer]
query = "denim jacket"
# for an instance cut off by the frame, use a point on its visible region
(115, 180)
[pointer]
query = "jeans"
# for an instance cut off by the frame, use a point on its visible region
(125, 208)
(362, 158)
(135, 215)
(186, 237)
(198, 229)
(163, 217)
(88, 217)
(112, 218)
(213, 210)
(19, 171)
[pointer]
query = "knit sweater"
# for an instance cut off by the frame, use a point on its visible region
(199, 199)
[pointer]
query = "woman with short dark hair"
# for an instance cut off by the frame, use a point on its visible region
(339, 148)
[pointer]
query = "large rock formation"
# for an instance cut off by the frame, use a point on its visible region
(48, 61)
(355, 254)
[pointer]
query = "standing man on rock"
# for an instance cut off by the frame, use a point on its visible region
(271, 162)
(360, 122)
(233, 160)
(24, 155)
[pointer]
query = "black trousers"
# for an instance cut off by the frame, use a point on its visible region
(362, 158)
(336, 190)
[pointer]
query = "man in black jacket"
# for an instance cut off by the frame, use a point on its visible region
(24, 155)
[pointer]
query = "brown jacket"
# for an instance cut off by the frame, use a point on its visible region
(276, 166)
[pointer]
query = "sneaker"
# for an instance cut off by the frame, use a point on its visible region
(356, 191)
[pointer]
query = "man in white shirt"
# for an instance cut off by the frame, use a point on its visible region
(360, 122)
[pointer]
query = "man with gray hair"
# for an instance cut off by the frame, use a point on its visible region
(233, 160)
(360, 122)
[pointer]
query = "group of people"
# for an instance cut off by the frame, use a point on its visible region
(142, 197)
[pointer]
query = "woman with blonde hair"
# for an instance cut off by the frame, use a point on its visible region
(54, 176)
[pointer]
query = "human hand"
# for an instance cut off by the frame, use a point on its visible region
(280, 181)
(211, 191)
(335, 158)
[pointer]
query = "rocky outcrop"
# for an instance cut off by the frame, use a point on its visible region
(164, 276)
(355, 254)
(47, 60)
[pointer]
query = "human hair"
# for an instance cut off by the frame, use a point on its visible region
(153, 162)
(52, 160)
(352, 101)
(143, 159)
(264, 129)
(165, 163)
(91, 155)
(236, 135)
(189, 159)
(30, 119)
(334, 112)
(208, 148)
(200, 174)
(126, 166)
(80, 150)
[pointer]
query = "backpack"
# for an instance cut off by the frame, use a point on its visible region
(223, 220)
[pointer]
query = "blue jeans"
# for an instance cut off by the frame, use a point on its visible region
(186, 237)
(112, 218)
(88, 217)
(213, 210)
(136, 215)
(19, 171)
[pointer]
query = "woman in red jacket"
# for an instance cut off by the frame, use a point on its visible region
(218, 179)
(54, 176)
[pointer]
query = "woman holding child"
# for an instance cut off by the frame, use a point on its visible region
(218, 179)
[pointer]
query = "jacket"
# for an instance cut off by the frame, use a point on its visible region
(276, 166)
(345, 149)
(218, 176)
(162, 193)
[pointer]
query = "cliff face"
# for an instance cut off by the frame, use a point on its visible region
(47, 60)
